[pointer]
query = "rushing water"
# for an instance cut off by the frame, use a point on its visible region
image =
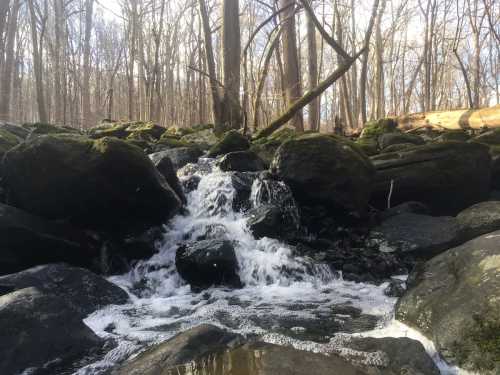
(287, 299)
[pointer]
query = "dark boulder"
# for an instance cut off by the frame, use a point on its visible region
(27, 240)
(454, 300)
(480, 219)
(242, 183)
(271, 221)
(106, 184)
(39, 128)
(179, 156)
(390, 139)
(241, 161)
(207, 263)
(8, 140)
(41, 330)
(447, 177)
(188, 346)
(495, 172)
(325, 170)
(17, 130)
(419, 236)
(84, 291)
(164, 165)
(266, 147)
(453, 135)
(406, 208)
(231, 141)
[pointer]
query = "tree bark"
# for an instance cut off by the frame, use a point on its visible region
(312, 53)
(86, 111)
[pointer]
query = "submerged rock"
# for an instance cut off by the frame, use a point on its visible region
(480, 219)
(232, 141)
(454, 300)
(82, 290)
(41, 330)
(241, 161)
(419, 236)
(27, 240)
(207, 263)
(105, 184)
(447, 177)
(325, 170)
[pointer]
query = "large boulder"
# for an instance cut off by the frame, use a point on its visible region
(109, 129)
(188, 346)
(480, 219)
(454, 300)
(41, 330)
(180, 156)
(7, 141)
(372, 131)
(419, 236)
(326, 170)
(203, 138)
(104, 184)
(266, 147)
(40, 128)
(231, 141)
(162, 162)
(207, 263)
(146, 131)
(241, 161)
(27, 240)
(18, 130)
(82, 290)
(447, 177)
(271, 221)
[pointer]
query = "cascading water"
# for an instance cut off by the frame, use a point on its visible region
(285, 298)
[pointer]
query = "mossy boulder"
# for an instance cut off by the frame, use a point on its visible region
(241, 161)
(266, 147)
(368, 145)
(454, 300)
(448, 177)
(105, 184)
(391, 139)
(18, 130)
(169, 141)
(325, 169)
(372, 131)
(146, 131)
(204, 138)
(231, 141)
(7, 141)
(39, 128)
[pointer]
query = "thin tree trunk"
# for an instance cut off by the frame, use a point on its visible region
(86, 110)
(312, 52)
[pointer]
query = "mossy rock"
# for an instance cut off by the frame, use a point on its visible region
(266, 147)
(397, 148)
(200, 127)
(327, 170)
(105, 184)
(172, 141)
(117, 130)
(368, 145)
(231, 141)
(7, 141)
(18, 130)
(146, 131)
(454, 300)
(390, 139)
(204, 139)
(374, 129)
(39, 128)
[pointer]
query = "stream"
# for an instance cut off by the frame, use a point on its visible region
(286, 299)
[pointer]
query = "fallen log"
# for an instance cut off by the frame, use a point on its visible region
(452, 120)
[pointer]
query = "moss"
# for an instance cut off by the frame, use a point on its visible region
(118, 130)
(398, 147)
(147, 131)
(230, 142)
(200, 127)
(7, 141)
(173, 141)
(266, 147)
(368, 145)
(374, 129)
(40, 128)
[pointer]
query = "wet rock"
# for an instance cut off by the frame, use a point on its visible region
(164, 165)
(403, 355)
(107, 184)
(480, 219)
(390, 139)
(271, 221)
(241, 161)
(325, 170)
(27, 240)
(454, 300)
(232, 141)
(38, 328)
(83, 291)
(242, 183)
(420, 236)
(188, 346)
(406, 208)
(396, 288)
(180, 156)
(447, 177)
(208, 263)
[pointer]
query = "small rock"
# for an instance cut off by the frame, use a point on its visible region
(241, 161)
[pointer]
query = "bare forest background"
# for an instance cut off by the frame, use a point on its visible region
(180, 63)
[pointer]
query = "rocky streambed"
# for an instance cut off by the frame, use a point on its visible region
(226, 256)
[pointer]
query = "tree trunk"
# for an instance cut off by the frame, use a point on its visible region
(5, 88)
(86, 111)
(231, 116)
(314, 114)
(292, 80)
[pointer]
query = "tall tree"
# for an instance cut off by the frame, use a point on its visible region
(86, 111)
(312, 59)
